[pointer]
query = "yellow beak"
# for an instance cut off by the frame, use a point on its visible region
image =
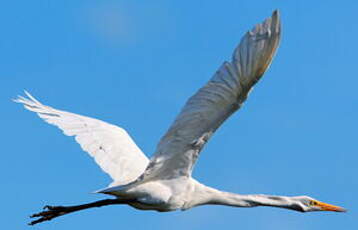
(329, 207)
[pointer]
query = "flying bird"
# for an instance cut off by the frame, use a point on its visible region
(164, 182)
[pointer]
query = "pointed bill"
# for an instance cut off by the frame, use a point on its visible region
(330, 207)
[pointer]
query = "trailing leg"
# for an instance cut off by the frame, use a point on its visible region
(51, 212)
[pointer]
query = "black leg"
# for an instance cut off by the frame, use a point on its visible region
(51, 212)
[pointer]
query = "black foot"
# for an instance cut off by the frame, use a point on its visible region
(49, 213)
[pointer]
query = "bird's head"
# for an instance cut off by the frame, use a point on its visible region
(309, 204)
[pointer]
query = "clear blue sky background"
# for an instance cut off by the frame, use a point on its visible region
(135, 63)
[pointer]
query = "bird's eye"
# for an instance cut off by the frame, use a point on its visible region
(313, 202)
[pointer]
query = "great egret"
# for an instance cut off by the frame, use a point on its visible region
(164, 182)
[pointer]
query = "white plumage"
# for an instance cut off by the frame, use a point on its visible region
(111, 146)
(164, 183)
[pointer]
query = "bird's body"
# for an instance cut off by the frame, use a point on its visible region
(161, 195)
(164, 182)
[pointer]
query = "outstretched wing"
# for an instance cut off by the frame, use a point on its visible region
(111, 146)
(204, 112)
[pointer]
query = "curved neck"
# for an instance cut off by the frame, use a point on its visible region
(205, 195)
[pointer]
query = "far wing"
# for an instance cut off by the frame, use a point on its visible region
(204, 112)
(111, 146)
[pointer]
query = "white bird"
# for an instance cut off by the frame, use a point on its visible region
(164, 183)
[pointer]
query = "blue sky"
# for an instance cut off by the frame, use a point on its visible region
(135, 63)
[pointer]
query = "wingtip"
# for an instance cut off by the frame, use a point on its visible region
(26, 99)
(273, 24)
(276, 13)
(31, 97)
(275, 21)
(18, 99)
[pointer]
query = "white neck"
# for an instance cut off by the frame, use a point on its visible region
(205, 195)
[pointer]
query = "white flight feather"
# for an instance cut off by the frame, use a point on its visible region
(206, 110)
(111, 146)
